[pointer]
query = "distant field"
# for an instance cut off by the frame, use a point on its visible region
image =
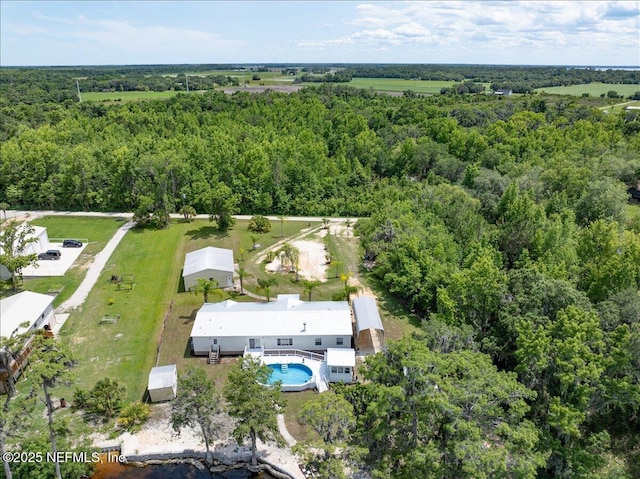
(593, 89)
(400, 85)
(125, 96)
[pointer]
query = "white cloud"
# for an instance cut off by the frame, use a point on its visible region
(563, 27)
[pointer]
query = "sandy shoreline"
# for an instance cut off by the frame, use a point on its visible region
(158, 441)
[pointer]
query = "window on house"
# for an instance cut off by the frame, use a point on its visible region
(347, 370)
(334, 369)
(339, 341)
(215, 340)
(318, 341)
(285, 341)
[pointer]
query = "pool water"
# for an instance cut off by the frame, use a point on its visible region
(296, 373)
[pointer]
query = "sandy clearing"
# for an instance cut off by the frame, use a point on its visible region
(312, 264)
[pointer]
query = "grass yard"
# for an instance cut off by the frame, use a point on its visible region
(593, 89)
(98, 231)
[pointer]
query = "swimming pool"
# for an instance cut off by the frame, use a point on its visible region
(293, 373)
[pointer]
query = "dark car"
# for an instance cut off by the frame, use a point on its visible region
(71, 243)
(50, 254)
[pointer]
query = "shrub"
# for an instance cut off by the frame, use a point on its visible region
(259, 224)
(133, 415)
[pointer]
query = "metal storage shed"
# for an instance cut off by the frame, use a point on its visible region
(163, 383)
(366, 314)
(208, 263)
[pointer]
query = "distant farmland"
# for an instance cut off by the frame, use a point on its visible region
(125, 96)
(593, 89)
(400, 85)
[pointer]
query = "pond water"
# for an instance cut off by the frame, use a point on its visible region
(169, 471)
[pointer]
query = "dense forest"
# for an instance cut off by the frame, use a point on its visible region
(502, 223)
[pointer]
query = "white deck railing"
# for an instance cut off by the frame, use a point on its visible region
(300, 353)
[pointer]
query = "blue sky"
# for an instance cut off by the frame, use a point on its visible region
(151, 32)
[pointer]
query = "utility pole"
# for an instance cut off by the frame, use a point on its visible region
(187, 79)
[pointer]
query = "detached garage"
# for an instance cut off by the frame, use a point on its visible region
(208, 263)
(163, 383)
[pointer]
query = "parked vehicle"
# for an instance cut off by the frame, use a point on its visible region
(54, 254)
(71, 243)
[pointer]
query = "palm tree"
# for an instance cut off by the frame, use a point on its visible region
(242, 274)
(337, 264)
(206, 287)
(266, 284)
(188, 212)
(309, 286)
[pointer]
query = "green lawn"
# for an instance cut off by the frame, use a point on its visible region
(400, 85)
(593, 89)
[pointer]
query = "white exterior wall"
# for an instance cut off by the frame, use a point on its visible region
(347, 378)
(47, 317)
(224, 278)
(162, 394)
(236, 345)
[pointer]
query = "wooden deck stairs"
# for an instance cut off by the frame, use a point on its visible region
(214, 355)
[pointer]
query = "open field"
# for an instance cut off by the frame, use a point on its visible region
(125, 96)
(593, 89)
(400, 85)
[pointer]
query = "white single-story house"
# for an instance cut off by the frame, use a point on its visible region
(40, 244)
(287, 323)
(208, 263)
(163, 383)
(366, 315)
(341, 365)
(21, 313)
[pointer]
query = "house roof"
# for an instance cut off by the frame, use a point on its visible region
(341, 357)
(26, 306)
(287, 316)
(366, 314)
(162, 377)
(208, 258)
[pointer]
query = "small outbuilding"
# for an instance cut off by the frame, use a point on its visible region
(341, 365)
(208, 263)
(367, 315)
(163, 383)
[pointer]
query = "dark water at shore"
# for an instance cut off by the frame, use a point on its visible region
(169, 471)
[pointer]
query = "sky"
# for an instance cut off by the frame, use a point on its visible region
(588, 33)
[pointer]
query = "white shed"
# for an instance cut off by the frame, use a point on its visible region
(341, 365)
(163, 383)
(208, 263)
